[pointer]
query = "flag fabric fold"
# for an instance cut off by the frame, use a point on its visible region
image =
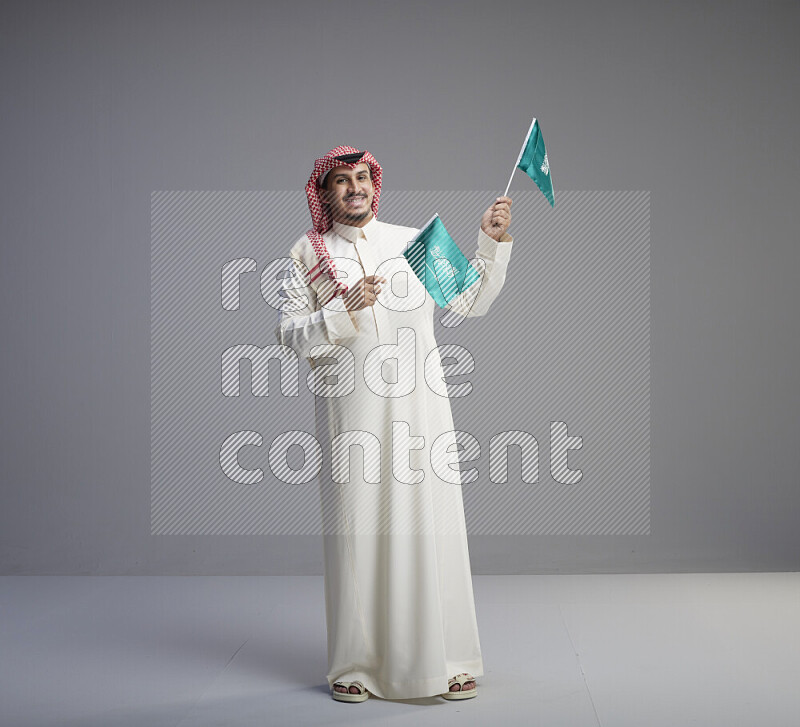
(439, 264)
(533, 161)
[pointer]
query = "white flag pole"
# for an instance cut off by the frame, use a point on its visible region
(519, 156)
(509, 180)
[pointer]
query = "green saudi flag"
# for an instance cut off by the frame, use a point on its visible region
(533, 161)
(438, 263)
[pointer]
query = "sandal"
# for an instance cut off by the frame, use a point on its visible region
(349, 696)
(461, 693)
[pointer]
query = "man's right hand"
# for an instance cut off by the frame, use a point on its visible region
(363, 293)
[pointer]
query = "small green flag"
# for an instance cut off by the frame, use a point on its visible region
(533, 161)
(438, 263)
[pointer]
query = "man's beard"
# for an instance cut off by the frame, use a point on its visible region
(357, 216)
(352, 216)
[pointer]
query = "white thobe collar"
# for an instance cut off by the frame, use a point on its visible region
(352, 234)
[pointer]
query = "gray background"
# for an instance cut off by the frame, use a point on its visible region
(104, 102)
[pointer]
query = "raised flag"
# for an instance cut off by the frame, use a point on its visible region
(533, 161)
(439, 264)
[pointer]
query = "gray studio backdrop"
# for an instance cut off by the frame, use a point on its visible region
(677, 118)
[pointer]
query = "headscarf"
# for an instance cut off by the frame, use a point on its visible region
(340, 156)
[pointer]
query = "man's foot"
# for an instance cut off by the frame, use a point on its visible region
(467, 685)
(461, 686)
(349, 692)
(341, 688)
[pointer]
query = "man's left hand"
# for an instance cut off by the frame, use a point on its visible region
(497, 218)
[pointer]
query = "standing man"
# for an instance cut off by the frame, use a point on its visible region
(400, 611)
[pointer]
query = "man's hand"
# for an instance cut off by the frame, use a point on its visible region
(497, 218)
(363, 293)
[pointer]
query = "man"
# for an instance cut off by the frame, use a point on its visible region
(398, 591)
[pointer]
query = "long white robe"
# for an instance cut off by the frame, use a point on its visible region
(400, 610)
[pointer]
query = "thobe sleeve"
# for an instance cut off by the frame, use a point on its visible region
(476, 299)
(301, 324)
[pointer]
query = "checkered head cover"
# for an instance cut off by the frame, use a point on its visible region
(340, 156)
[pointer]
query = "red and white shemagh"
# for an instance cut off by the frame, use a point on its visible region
(321, 216)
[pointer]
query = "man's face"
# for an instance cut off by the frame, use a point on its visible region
(348, 193)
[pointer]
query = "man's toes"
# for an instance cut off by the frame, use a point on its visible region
(469, 685)
(456, 687)
(354, 689)
(339, 688)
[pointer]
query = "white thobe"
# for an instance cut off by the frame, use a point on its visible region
(400, 611)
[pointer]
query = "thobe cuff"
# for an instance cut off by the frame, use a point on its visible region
(339, 324)
(500, 251)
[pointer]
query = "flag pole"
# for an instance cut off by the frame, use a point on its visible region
(519, 156)
(510, 178)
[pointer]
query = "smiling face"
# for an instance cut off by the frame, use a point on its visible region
(348, 193)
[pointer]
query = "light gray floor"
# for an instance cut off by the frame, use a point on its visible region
(611, 650)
